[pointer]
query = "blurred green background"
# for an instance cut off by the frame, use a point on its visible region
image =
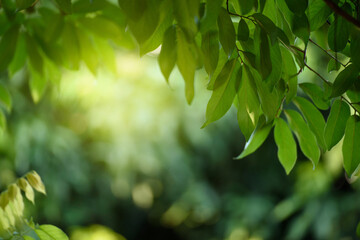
(123, 156)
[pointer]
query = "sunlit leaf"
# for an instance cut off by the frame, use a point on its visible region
(25, 186)
(227, 34)
(224, 92)
(50, 232)
(186, 62)
(285, 142)
(306, 138)
(336, 122)
(351, 145)
(36, 182)
(210, 49)
(314, 119)
(87, 52)
(257, 138)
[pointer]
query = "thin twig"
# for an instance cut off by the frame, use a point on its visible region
(326, 52)
(350, 103)
(342, 13)
(318, 74)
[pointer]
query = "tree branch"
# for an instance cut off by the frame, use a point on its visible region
(342, 13)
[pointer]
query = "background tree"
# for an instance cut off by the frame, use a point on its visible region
(254, 53)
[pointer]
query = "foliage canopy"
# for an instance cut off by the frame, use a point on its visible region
(253, 51)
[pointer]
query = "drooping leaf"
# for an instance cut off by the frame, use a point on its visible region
(102, 27)
(224, 92)
(338, 34)
(19, 58)
(37, 84)
(257, 138)
(351, 145)
(285, 142)
(297, 6)
(167, 57)
(289, 74)
(243, 31)
(300, 27)
(264, 59)
(212, 9)
(318, 13)
(186, 62)
(7, 46)
(333, 65)
(87, 52)
(25, 186)
(306, 138)
(227, 35)
(316, 93)
(72, 50)
(344, 80)
(336, 122)
(210, 49)
(314, 119)
(249, 106)
(5, 97)
(36, 182)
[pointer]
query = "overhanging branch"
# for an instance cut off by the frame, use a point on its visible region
(342, 13)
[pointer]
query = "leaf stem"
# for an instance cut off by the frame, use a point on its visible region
(318, 74)
(350, 103)
(342, 13)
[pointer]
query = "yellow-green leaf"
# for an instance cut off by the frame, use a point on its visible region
(286, 144)
(227, 35)
(167, 57)
(36, 182)
(306, 138)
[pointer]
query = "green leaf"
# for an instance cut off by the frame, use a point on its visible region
(243, 31)
(336, 122)
(19, 58)
(289, 74)
(333, 65)
(248, 104)
(5, 97)
(271, 29)
(25, 186)
(257, 138)
(23, 4)
(208, 22)
(102, 27)
(2, 121)
(87, 52)
(167, 57)
(37, 84)
(351, 145)
(300, 27)
(50, 232)
(318, 13)
(355, 48)
(72, 50)
(338, 34)
(210, 50)
(224, 92)
(65, 5)
(35, 58)
(264, 63)
(28, 238)
(344, 80)
(246, 6)
(186, 62)
(286, 144)
(297, 6)
(306, 138)
(36, 182)
(316, 94)
(227, 35)
(276, 61)
(8, 46)
(314, 119)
